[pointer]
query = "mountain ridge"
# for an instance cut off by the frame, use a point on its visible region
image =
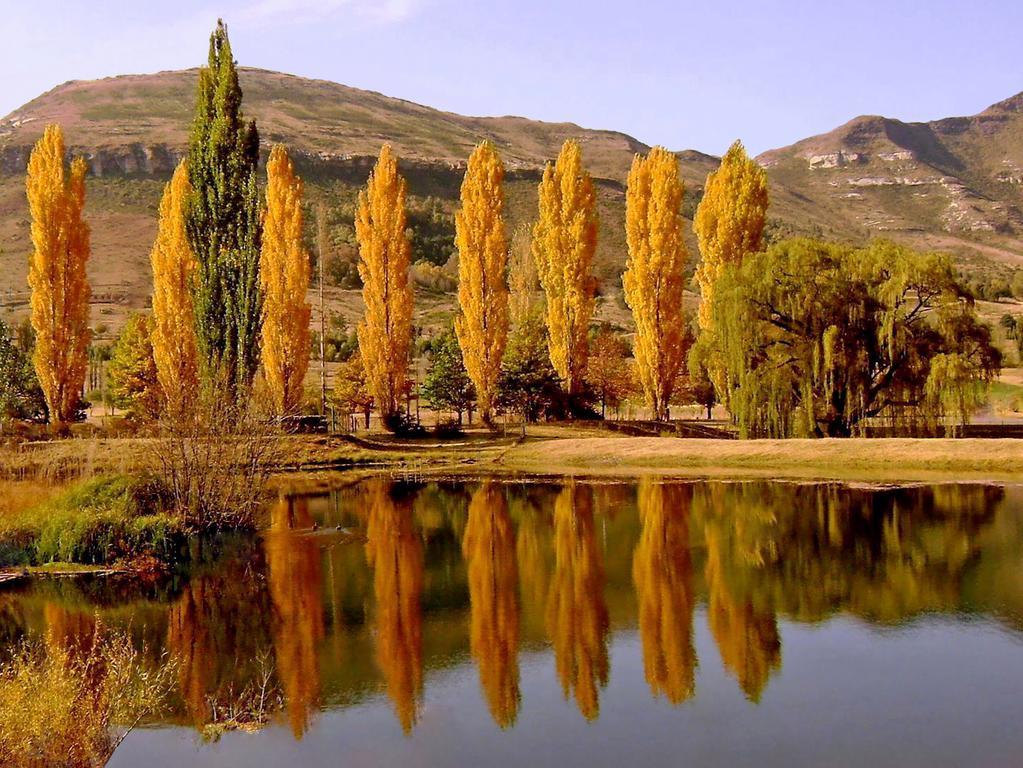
(952, 184)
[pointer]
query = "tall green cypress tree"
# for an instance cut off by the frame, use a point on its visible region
(224, 224)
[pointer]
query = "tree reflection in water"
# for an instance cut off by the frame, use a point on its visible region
(662, 571)
(739, 539)
(524, 566)
(489, 549)
(395, 552)
(217, 632)
(577, 616)
(296, 583)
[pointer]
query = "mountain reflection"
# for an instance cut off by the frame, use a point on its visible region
(459, 575)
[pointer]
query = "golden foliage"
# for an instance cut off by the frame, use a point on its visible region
(57, 274)
(350, 394)
(523, 281)
(70, 701)
(609, 372)
(482, 321)
(284, 272)
(134, 378)
(564, 241)
(384, 256)
(662, 571)
(729, 221)
(395, 552)
(174, 349)
(489, 548)
(577, 617)
(296, 579)
(653, 279)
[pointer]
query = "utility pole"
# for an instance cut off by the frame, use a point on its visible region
(321, 248)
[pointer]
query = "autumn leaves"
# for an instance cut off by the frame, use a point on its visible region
(60, 288)
(231, 273)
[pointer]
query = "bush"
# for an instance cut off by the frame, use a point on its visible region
(403, 425)
(98, 522)
(74, 706)
(214, 462)
(448, 430)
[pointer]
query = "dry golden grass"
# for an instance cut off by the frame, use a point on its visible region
(865, 458)
(566, 449)
(71, 707)
(19, 495)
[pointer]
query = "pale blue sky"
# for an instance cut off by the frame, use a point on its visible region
(683, 74)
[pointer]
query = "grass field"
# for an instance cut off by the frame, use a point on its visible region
(865, 459)
(560, 449)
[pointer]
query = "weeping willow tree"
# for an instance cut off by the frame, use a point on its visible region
(820, 339)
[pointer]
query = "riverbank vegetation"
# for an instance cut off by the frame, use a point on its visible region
(111, 520)
(70, 701)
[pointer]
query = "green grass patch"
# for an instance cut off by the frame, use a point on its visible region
(1006, 397)
(97, 522)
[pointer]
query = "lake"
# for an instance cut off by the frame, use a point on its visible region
(573, 623)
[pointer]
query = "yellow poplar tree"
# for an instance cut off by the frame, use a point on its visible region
(384, 256)
(284, 272)
(173, 321)
(653, 279)
(729, 221)
(564, 240)
(482, 321)
(57, 276)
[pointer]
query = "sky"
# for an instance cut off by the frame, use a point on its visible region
(682, 74)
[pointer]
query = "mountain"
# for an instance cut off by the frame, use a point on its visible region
(953, 184)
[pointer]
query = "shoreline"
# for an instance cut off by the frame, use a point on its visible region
(557, 450)
(890, 460)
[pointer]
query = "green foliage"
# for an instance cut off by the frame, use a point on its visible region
(95, 522)
(432, 231)
(20, 394)
(818, 339)
(528, 384)
(1013, 327)
(340, 343)
(223, 221)
(341, 268)
(447, 385)
(133, 380)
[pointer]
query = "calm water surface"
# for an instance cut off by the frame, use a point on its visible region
(510, 623)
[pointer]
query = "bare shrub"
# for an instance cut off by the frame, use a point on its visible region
(214, 459)
(251, 709)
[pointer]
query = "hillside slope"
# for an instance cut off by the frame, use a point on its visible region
(953, 184)
(134, 129)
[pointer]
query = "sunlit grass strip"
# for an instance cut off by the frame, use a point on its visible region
(95, 522)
